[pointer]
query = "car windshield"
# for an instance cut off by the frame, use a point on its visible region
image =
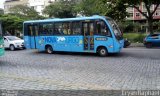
(12, 38)
(115, 28)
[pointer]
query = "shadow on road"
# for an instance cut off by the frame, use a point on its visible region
(81, 54)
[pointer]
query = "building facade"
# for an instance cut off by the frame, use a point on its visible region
(38, 5)
(1, 11)
(136, 16)
(11, 3)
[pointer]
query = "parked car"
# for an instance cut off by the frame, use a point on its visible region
(152, 41)
(13, 42)
(126, 43)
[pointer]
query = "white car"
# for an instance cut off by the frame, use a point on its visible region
(13, 42)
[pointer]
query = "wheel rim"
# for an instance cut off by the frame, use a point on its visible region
(49, 50)
(103, 51)
(12, 47)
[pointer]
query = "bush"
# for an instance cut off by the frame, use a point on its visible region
(135, 37)
(129, 26)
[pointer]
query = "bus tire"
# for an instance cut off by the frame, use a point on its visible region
(102, 51)
(49, 49)
(11, 47)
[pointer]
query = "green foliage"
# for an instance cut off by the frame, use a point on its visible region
(115, 9)
(86, 7)
(112, 8)
(130, 26)
(135, 37)
(11, 23)
(61, 9)
(25, 12)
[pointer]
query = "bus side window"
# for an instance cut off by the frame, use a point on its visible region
(76, 28)
(40, 29)
(91, 29)
(30, 30)
(46, 29)
(102, 28)
(58, 29)
(66, 28)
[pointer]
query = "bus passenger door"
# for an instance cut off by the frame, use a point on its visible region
(88, 33)
(33, 32)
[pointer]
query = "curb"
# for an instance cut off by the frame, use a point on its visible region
(137, 45)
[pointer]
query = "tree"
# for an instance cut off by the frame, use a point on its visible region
(61, 9)
(86, 7)
(25, 12)
(148, 4)
(115, 9)
(112, 8)
(11, 23)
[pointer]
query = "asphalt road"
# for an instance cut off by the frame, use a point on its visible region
(133, 68)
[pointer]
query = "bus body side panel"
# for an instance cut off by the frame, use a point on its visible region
(76, 43)
(27, 42)
(37, 45)
(61, 43)
(104, 41)
(118, 46)
(32, 42)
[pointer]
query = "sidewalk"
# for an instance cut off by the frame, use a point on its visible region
(137, 45)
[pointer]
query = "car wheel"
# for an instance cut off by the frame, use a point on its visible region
(102, 51)
(49, 49)
(149, 45)
(11, 47)
(23, 48)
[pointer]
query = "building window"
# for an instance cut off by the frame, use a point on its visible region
(137, 14)
(145, 13)
(130, 14)
(157, 14)
(159, 7)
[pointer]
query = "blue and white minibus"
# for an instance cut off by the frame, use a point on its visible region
(96, 34)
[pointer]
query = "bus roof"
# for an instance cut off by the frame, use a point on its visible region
(67, 19)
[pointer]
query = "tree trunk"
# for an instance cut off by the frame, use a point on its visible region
(150, 25)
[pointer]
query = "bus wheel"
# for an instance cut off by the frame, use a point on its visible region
(11, 47)
(102, 51)
(49, 49)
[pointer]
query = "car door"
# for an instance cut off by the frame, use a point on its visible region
(6, 42)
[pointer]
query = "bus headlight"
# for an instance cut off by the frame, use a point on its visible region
(1, 46)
